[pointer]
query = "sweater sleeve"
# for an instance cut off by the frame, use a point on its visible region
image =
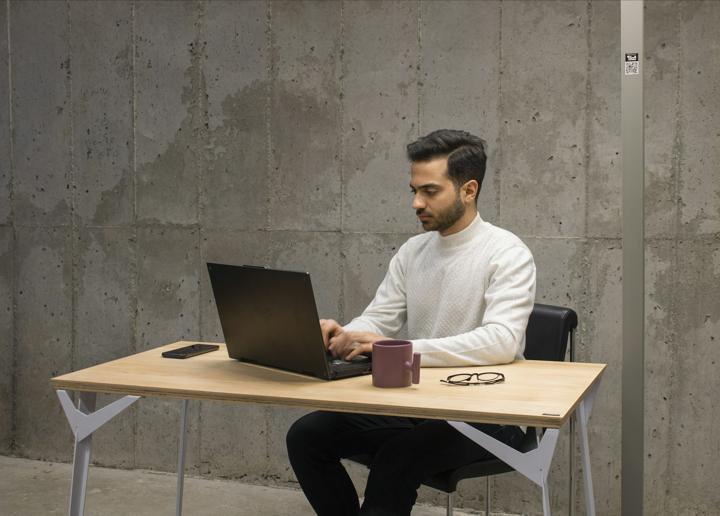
(387, 312)
(509, 299)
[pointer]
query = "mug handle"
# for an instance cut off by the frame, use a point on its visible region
(416, 368)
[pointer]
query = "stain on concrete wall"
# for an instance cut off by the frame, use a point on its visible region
(139, 140)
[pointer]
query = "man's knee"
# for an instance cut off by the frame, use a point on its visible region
(311, 431)
(300, 433)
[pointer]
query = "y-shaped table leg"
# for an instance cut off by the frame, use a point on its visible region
(534, 464)
(84, 420)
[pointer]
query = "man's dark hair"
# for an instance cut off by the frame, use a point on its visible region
(465, 153)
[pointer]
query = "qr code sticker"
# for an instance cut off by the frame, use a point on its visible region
(632, 68)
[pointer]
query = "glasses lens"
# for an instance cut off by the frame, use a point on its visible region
(459, 378)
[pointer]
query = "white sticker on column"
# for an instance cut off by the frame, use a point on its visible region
(632, 64)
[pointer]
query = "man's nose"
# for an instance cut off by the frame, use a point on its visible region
(417, 203)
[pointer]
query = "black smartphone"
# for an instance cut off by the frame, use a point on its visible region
(190, 351)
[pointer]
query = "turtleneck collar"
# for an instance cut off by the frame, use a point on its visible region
(461, 237)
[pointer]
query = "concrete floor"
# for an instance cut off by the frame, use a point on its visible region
(30, 487)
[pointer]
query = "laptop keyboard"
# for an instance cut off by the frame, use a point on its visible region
(338, 362)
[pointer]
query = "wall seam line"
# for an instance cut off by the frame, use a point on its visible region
(588, 119)
(73, 195)
(502, 132)
(587, 243)
(268, 130)
(270, 64)
(341, 164)
(675, 278)
(13, 261)
(203, 118)
(134, 248)
(419, 69)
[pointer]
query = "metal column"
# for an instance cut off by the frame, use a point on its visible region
(633, 246)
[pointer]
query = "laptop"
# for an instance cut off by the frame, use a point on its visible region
(269, 317)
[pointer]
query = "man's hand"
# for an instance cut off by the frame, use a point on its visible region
(349, 344)
(329, 328)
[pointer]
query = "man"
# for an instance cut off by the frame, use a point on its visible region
(465, 289)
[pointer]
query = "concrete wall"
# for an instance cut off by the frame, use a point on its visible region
(140, 139)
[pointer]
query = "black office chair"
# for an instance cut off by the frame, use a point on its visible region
(546, 338)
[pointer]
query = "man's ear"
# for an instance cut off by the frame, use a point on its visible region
(471, 190)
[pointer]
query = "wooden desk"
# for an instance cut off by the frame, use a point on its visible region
(539, 394)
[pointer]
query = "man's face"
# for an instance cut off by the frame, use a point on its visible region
(436, 200)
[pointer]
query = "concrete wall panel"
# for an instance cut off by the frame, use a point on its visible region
(543, 137)
(7, 336)
(700, 105)
(167, 114)
(167, 304)
(235, 68)
(558, 264)
(661, 112)
(102, 89)
(236, 53)
(604, 177)
(694, 410)
(43, 268)
(305, 124)
(41, 112)
(460, 77)
(661, 352)
(379, 114)
(5, 172)
(104, 330)
(167, 286)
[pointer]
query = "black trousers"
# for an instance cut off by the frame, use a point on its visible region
(405, 451)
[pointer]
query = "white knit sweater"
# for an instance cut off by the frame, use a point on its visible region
(466, 297)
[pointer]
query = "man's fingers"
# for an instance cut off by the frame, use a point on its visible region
(355, 352)
(324, 331)
(329, 328)
(358, 350)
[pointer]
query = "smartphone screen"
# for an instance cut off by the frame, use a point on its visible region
(190, 351)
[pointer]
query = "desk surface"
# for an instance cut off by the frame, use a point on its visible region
(534, 393)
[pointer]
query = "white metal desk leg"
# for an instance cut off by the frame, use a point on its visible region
(81, 458)
(583, 413)
(84, 420)
(534, 464)
(571, 488)
(181, 459)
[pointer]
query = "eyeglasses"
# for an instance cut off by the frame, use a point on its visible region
(486, 378)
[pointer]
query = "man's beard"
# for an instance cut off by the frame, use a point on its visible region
(445, 219)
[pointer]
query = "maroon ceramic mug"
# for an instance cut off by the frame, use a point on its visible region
(394, 364)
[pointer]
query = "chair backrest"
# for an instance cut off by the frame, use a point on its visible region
(547, 332)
